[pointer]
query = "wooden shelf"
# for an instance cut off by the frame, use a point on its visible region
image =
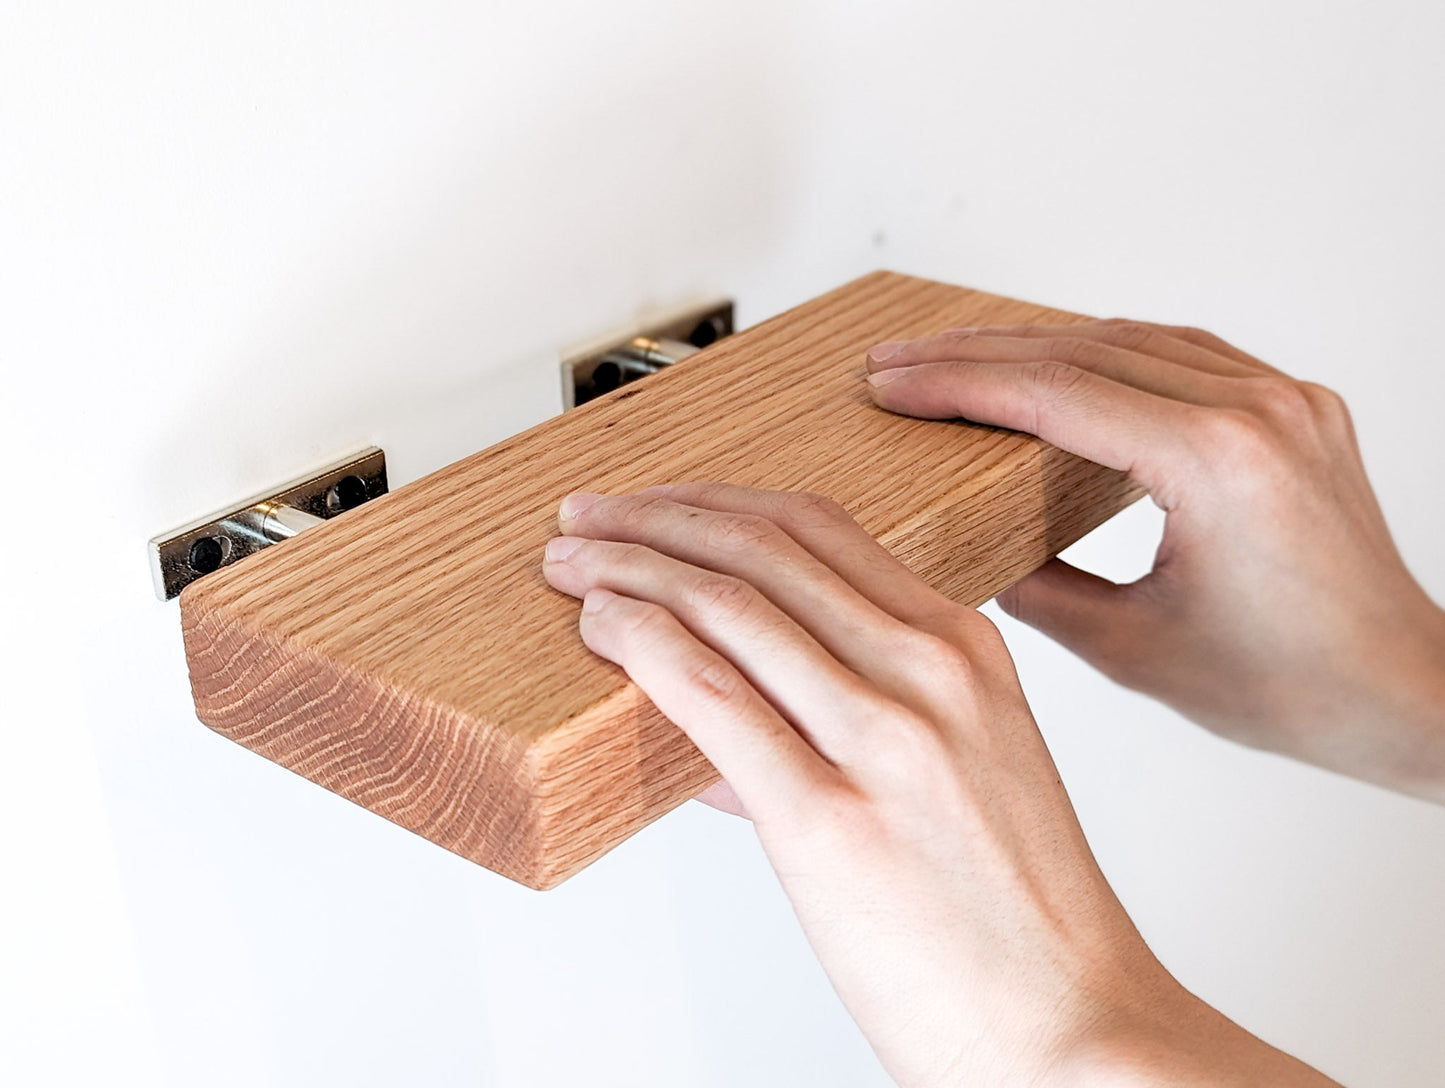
(409, 656)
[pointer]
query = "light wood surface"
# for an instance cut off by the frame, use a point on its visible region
(410, 657)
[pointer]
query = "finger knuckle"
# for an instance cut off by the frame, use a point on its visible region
(809, 507)
(1283, 400)
(914, 738)
(697, 492)
(1232, 439)
(1054, 378)
(721, 596)
(904, 742)
(1326, 403)
(1130, 335)
(915, 766)
(980, 633)
(957, 624)
(1066, 349)
(712, 680)
(1043, 386)
(975, 658)
(738, 532)
(936, 657)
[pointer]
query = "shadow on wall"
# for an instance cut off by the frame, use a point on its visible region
(434, 312)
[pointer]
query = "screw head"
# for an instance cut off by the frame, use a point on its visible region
(706, 332)
(606, 376)
(347, 493)
(206, 555)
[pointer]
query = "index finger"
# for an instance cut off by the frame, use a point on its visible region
(828, 532)
(1157, 341)
(1105, 421)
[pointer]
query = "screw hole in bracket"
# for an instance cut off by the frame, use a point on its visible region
(607, 363)
(347, 493)
(207, 553)
(203, 546)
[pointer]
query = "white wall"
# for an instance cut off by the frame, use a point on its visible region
(237, 239)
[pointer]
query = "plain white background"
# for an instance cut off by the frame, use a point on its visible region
(237, 239)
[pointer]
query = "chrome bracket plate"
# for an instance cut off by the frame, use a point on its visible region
(601, 365)
(193, 550)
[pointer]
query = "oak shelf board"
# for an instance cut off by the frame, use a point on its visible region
(409, 655)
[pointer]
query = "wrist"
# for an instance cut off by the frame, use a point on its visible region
(1411, 681)
(1428, 703)
(1178, 1041)
(1135, 1047)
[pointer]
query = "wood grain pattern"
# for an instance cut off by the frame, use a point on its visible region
(410, 657)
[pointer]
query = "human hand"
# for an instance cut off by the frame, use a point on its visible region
(876, 734)
(1278, 611)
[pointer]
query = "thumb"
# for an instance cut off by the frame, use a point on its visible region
(1089, 615)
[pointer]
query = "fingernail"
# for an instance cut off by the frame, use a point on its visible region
(596, 599)
(886, 350)
(560, 547)
(575, 503)
(883, 377)
(658, 489)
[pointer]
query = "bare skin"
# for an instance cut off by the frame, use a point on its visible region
(1278, 612)
(876, 734)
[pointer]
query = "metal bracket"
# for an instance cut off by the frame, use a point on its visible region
(604, 364)
(207, 544)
